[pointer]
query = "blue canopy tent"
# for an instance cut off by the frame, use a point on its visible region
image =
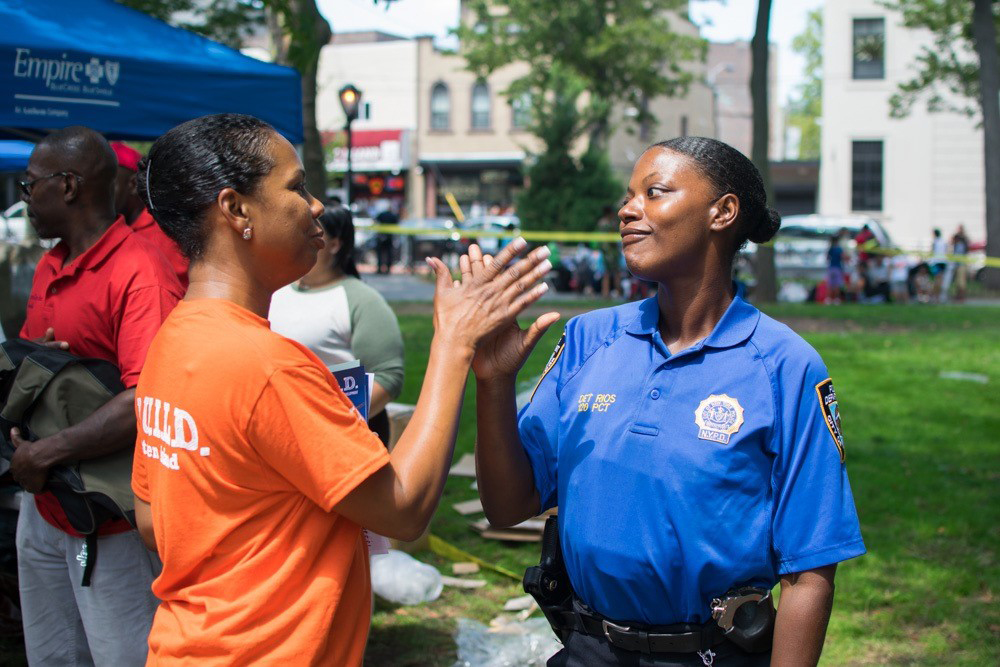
(14, 154)
(127, 75)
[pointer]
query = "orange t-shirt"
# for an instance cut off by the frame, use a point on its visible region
(245, 445)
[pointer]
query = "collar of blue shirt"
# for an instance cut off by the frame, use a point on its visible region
(737, 323)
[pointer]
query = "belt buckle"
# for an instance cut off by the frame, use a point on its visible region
(608, 625)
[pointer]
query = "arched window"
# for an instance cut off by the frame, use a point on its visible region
(440, 107)
(480, 106)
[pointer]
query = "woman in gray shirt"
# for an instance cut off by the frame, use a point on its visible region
(340, 318)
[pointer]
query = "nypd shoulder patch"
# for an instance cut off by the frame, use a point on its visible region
(831, 414)
(556, 353)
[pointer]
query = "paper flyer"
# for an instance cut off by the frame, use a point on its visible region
(354, 382)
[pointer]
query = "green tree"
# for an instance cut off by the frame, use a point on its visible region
(960, 72)
(622, 51)
(227, 21)
(563, 192)
(806, 107)
(300, 32)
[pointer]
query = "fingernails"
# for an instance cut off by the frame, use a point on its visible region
(543, 252)
(519, 242)
(545, 266)
(543, 288)
(427, 259)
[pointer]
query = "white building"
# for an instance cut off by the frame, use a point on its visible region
(384, 68)
(913, 174)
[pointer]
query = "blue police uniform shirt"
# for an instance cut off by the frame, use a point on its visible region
(681, 476)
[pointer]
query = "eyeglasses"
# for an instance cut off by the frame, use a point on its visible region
(26, 186)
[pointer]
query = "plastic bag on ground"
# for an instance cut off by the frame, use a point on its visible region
(399, 577)
(527, 643)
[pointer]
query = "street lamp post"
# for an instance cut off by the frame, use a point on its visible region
(350, 100)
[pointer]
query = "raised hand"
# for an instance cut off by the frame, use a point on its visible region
(490, 295)
(502, 353)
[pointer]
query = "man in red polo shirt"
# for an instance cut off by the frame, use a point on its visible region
(104, 291)
(128, 204)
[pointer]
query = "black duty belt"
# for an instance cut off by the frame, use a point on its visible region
(682, 638)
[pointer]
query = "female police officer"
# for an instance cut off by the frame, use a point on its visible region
(691, 443)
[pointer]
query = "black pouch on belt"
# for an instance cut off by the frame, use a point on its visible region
(746, 616)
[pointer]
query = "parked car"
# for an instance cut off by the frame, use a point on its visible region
(440, 240)
(14, 225)
(802, 242)
(489, 223)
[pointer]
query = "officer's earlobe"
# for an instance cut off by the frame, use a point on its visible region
(724, 212)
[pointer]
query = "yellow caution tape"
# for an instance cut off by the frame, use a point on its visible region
(870, 247)
(451, 552)
(603, 237)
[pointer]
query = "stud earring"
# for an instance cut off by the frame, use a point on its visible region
(247, 233)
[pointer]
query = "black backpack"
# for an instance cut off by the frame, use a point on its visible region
(44, 390)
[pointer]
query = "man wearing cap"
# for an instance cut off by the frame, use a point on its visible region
(128, 204)
(103, 291)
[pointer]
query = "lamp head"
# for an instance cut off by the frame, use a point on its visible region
(350, 100)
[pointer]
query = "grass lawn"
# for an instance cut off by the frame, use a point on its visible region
(924, 462)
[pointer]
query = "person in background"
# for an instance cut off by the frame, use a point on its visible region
(256, 498)
(960, 247)
(384, 242)
(835, 270)
(899, 278)
(863, 236)
(876, 279)
(610, 252)
(129, 205)
(339, 318)
(938, 266)
(104, 291)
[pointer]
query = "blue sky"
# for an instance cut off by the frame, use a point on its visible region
(720, 20)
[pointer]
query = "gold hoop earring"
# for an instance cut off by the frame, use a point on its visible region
(247, 233)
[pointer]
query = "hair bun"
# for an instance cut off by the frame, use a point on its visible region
(766, 227)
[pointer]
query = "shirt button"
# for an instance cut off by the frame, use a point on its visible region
(53, 290)
(655, 394)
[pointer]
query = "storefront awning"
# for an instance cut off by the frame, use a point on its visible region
(371, 150)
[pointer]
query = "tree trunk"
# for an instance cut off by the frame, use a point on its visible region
(299, 33)
(767, 283)
(985, 37)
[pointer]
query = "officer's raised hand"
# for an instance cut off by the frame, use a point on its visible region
(503, 352)
(489, 296)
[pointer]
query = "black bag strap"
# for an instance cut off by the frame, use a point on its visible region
(91, 560)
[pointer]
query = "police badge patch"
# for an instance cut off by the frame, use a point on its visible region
(718, 417)
(831, 414)
(556, 353)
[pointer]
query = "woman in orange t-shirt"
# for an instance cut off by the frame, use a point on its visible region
(253, 475)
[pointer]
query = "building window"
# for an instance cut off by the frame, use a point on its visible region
(520, 112)
(440, 107)
(869, 48)
(365, 113)
(480, 106)
(866, 176)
